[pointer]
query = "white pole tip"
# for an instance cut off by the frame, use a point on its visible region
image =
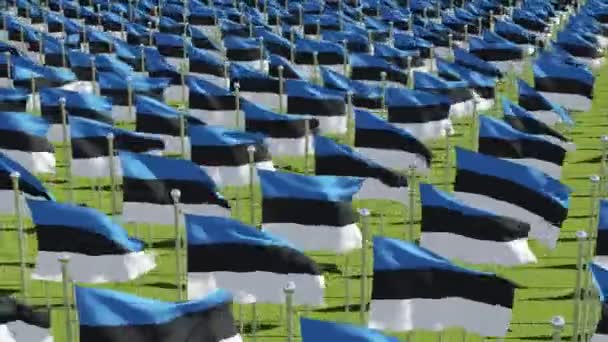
(110, 136)
(558, 321)
(364, 212)
(581, 235)
(15, 174)
(605, 138)
(594, 178)
(237, 85)
(64, 258)
(62, 100)
(250, 148)
(280, 67)
(291, 287)
(176, 194)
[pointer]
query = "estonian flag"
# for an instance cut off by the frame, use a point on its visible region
(388, 145)
(212, 104)
(364, 95)
(458, 92)
(600, 279)
(423, 114)
(20, 323)
(314, 331)
(369, 68)
(524, 121)
(100, 251)
(484, 86)
(544, 110)
(328, 53)
(115, 86)
(253, 265)
(289, 70)
(158, 118)
(107, 315)
(23, 138)
(13, 99)
(475, 63)
(285, 133)
(601, 246)
(245, 51)
(76, 104)
(208, 66)
(414, 288)
(455, 230)
(90, 150)
(567, 85)
(498, 139)
(513, 190)
(147, 184)
(28, 184)
(223, 153)
(314, 213)
(256, 86)
(326, 105)
(380, 183)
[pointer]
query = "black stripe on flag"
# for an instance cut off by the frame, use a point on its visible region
(308, 212)
(238, 257)
(21, 141)
(159, 192)
(234, 155)
(388, 140)
(438, 283)
(54, 239)
(157, 125)
(563, 86)
(490, 228)
(92, 147)
(517, 149)
(510, 192)
(348, 166)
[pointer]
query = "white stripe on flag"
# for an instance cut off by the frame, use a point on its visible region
(235, 175)
(310, 238)
(136, 212)
(260, 287)
(474, 251)
(439, 314)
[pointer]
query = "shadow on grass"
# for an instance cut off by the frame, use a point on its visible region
(161, 285)
(326, 267)
(342, 308)
(248, 327)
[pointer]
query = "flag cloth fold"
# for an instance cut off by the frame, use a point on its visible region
(112, 316)
(289, 199)
(21, 323)
(254, 266)
(414, 288)
(100, 251)
(313, 330)
(147, 184)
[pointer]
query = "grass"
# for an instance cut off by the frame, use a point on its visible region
(546, 287)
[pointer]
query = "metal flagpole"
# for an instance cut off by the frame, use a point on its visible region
(345, 61)
(603, 167)
(447, 169)
(175, 195)
(411, 182)
(364, 237)
(251, 154)
(130, 97)
(20, 232)
(67, 149)
(587, 305)
(237, 105)
(581, 236)
(558, 323)
(315, 68)
(289, 291)
(474, 132)
(94, 76)
(182, 134)
(64, 260)
(383, 94)
(306, 146)
(262, 54)
(350, 120)
(113, 201)
(281, 88)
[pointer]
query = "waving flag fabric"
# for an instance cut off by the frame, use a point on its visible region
(289, 199)
(315, 330)
(107, 315)
(255, 266)
(541, 107)
(22, 323)
(93, 240)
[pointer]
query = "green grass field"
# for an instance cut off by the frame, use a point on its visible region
(546, 287)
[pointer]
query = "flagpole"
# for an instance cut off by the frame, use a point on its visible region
(262, 54)
(557, 322)
(587, 306)
(64, 260)
(315, 68)
(306, 146)
(237, 104)
(20, 231)
(9, 73)
(603, 168)
(289, 291)
(345, 61)
(474, 132)
(411, 191)
(448, 161)
(182, 134)
(113, 204)
(581, 236)
(383, 87)
(251, 152)
(94, 76)
(175, 195)
(281, 86)
(130, 97)
(350, 119)
(364, 237)
(67, 149)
